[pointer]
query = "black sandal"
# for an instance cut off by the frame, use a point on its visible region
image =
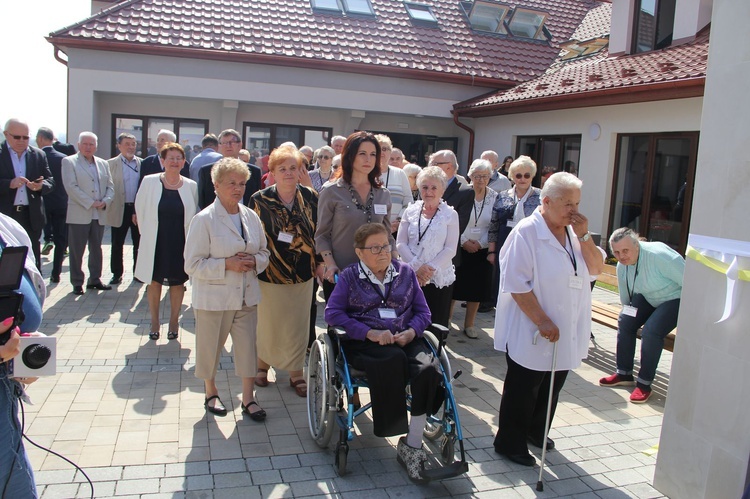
(219, 411)
(153, 335)
(172, 335)
(255, 416)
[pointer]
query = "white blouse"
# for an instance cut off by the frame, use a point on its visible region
(433, 242)
(533, 260)
(479, 220)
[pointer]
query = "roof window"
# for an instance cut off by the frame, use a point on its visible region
(488, 16)
(357, 7)
(420, 13)
(527, 23)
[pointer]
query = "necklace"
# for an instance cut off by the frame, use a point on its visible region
(320, 172)
(367, 208)
(164, 179)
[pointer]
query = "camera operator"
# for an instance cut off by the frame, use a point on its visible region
(16, 475)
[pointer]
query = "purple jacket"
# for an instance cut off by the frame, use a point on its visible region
(354, 303)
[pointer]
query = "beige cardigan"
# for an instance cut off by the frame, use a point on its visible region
(146, 209)
(212, 238)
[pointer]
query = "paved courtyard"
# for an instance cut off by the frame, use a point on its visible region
(130, 412)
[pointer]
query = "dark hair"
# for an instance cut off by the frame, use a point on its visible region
(124, 136)
(45, 133)
(171, 146)
(210, 140)
(507, 158)
(367, 230)
(349, 153)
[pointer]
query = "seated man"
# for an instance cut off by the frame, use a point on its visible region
(649, 275)
(379, 303)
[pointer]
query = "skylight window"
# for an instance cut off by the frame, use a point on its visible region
(358, 7)
(420, 12)
(488, 16)
(527, 23)
(326, 5)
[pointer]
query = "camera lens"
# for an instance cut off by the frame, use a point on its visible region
(36, 356)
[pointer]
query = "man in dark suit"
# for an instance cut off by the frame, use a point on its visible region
(55, 202)
(230, 143)
(24, 179)
(64, 148)
(152, 164)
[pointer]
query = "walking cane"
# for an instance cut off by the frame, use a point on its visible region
(539, 483)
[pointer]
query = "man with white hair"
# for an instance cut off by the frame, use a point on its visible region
(152, 164)
(498, 181)
(337, 142)
(90, 190)
(24, 178)
(307, 152)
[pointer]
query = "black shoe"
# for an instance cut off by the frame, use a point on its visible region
(100, 286)
(537, 442)
(78, 290)
(463, 305)
(259, 415)
(522, 459)
(116, 279)
(483, 309)
(54, 279)
(218, 408)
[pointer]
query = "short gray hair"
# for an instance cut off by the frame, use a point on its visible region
(558, 183)
(445, 152)
(124, 136)
(489, 156)
(87, 134)
(384, 139)
(522, 162)
(227, 166)
(412, 169)
(621, 233)
(432, 173)
(168, 133)
(232, 132)
(327, 149)
(480, 165)
(45, 133)
(337, 137)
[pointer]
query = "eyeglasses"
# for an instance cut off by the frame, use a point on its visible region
(519, 176)
(324, 157)
(229, 143)
(18, 137)
(480, 177)
(376, 250)
(438, 163)
(386, 149)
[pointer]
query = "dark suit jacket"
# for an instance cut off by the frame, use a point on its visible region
(57, 199)
(66, 149)
(36, 166)
(152, 165)
(460, 196)
(206, 194)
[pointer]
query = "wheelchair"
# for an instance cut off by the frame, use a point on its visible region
(331, 380)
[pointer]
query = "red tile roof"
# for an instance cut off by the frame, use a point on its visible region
(674, 72)
(288, 32)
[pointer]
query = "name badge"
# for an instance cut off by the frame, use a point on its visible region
(475, 232)
(510, 224)
(629, 311)
(381, 209)
(575, 282)
(387, 313)
(285, 237)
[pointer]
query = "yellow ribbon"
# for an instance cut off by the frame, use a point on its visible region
(717, 265)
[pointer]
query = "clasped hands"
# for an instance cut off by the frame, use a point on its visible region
(424, 274)
(241, 262)
(471, 246)
(385, 337)
(34, 185)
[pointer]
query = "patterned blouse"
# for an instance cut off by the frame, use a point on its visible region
(290, 234)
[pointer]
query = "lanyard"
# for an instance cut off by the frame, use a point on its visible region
(128, 165)
(387, 177)
(476, 217)
(419, 224)
(635, 276)
(383, 297)
(571, 253)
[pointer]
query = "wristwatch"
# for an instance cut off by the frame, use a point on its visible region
(585, 237)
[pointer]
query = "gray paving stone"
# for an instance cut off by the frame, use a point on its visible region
(228, 466)
(266, 477)
(569, 486)
(54, 476)
(238, 493)
(60, 491)
(232, 480)
(200, 482)
(147, 471)
(140, 486)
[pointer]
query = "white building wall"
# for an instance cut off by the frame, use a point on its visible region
(596, 167)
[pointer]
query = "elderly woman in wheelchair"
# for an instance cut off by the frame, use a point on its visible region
(381, 308)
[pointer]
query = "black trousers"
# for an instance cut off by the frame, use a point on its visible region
(439, 302)
(523, 407)
(389, 368)
(24, 219)
(118, 240)
(56, 220)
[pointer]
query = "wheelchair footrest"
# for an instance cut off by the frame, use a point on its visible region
(443, 472)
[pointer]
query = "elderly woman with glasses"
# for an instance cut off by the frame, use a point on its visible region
(474, 275)
(324, 169)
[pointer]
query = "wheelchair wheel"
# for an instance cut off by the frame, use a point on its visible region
(448, 449)
(320, 373)
(342, 454)
(433, 430)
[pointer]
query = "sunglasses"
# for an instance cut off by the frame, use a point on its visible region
(18, 137)
(519, 176)
(324, 157)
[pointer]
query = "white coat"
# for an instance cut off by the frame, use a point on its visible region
(81, 188)
(212, 238)
(146, 210)
(533, 260)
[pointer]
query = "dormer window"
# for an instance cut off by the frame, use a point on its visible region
(653, 25)
(356, 7)
(420, 13)
(527, 23)
(488, 16)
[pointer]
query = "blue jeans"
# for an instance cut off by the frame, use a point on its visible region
(16, 474)
(657, 324)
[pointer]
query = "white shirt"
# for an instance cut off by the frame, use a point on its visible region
(95, 175)
(130, 178)
(397, 183)
(19, 167)
(533, 260)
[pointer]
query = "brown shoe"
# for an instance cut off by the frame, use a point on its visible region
(300, 386)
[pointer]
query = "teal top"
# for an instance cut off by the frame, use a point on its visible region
(657, 275)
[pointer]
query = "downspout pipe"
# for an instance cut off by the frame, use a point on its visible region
(58, 58)
(471, 135)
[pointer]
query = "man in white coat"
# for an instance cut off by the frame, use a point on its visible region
(90, 191)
